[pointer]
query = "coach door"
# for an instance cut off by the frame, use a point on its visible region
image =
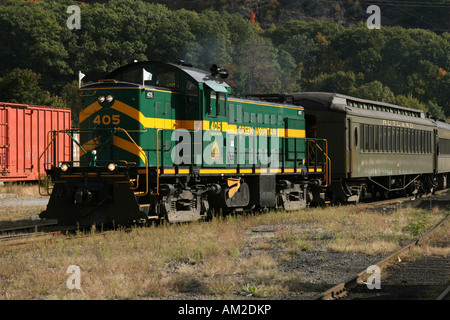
(436, 152)
(350, 146)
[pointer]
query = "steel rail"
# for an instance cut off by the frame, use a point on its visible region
(341, 289)
(27, 227)
(444, 294)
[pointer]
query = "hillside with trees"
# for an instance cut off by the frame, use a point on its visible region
(40, 57)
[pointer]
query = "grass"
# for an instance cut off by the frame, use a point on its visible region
(20, 189)
(221, 258)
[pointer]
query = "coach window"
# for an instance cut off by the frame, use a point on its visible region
(371, 136)
(397, 139)
(361, 141)
(425, 142)
(366, 137)
(402, 140)
(416, 140)
(410, 149)
(377, 139)
(420, 141)
(389, 139)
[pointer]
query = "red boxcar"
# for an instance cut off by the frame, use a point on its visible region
(24, 137)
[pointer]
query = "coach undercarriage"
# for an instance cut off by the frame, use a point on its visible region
(354, 190)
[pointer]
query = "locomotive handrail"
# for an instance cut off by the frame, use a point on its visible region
(39, 163)
(55, 134)
(142, 193)
(76, 142)
(327, 159)
(327, 164)
(157, 162)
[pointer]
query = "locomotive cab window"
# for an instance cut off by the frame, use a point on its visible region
(167, 78)
(191, 96)
(132, 76)
(217, 104)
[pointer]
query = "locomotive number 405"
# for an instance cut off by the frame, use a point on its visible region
(107, 119)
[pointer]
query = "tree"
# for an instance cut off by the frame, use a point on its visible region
(22, 86)
(409, 102)
(212, 43)
(257, 69)
(339, 82)
(374, 91)
(436, 111)
(30, 38)
(70, 96)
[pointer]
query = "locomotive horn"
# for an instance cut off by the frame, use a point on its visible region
(223, 73)
(215, 70)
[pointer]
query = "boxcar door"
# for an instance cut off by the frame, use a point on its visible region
(4, 144)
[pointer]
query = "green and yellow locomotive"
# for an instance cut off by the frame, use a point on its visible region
(167, 141)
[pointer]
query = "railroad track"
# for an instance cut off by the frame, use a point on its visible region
(23, 235)
(26, 228)
(342, 289)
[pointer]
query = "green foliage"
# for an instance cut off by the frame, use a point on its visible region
(22, 86)
(374, 90)
(253, 291)
(418, 225)
(394, 64)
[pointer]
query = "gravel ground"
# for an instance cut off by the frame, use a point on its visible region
(7, 199)
(415, 278)
(423, 278)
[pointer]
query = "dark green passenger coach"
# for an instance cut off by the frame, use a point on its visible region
(376, 147)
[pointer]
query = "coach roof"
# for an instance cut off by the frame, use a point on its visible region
(352, 105)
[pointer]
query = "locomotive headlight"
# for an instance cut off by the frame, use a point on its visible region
(101, 99)
(112, 166)
(109, 98)
(64, 167)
